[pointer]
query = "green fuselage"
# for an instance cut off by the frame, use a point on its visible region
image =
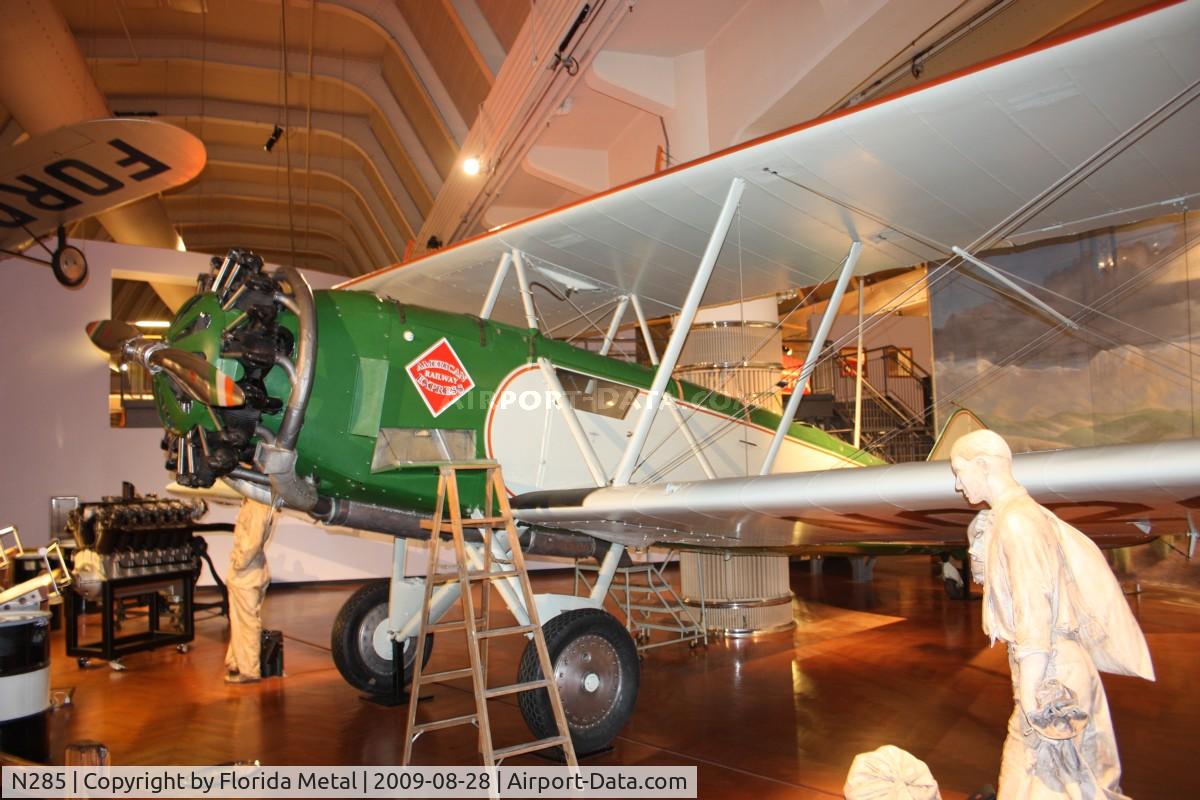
(362, 385)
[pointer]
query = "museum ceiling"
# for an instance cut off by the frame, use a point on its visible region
(385, 100)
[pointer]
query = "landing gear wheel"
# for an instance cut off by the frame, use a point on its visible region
(70, 266)
(353, 641)
(597, 673)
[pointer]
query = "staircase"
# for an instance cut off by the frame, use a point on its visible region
(897, 403)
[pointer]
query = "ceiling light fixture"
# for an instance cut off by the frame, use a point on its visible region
(471, 166)
(152, 323)
(273, 138)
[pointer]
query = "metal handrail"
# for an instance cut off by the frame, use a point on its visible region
(906, 394)
(885, 400)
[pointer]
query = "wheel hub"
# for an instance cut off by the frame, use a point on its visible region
(588, 676)
(370, 655)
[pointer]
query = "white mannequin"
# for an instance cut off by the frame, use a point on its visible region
(889, 773)
(1050, 595)
(247, 583)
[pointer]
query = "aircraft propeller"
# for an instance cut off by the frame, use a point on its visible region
(110, 335)
(194, 375)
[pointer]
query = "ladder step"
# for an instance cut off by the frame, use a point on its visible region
(450, 722)
(509, 631)
(448, 675)
(529, 747)
(468, 522)
(476, 575)
(513, 688)
(453, 625)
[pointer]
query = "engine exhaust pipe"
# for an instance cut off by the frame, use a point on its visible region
(277, 459)
(394, 522)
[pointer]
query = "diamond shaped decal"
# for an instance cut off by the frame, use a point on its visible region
(440, 377)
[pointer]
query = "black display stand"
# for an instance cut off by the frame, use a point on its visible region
(145, 589)
(398, 696)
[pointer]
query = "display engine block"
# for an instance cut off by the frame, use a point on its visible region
(123, 538)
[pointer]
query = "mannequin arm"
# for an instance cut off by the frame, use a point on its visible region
(1033, 673)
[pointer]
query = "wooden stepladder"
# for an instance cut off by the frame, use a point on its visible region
(479, 631)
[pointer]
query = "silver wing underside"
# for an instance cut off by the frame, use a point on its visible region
(1116, 494)
(909, 176)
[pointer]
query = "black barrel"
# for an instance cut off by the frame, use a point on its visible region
(25, 684)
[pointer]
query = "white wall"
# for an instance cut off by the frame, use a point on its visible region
(55, 437)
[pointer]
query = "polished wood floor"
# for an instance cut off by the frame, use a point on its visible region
(895, 661)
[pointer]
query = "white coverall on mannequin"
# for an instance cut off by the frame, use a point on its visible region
(247, 584)
(1049, 590)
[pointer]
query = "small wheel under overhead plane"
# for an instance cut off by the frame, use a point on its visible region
(81, 170)
(69, 263)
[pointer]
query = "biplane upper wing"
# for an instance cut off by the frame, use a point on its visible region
(1118, 493)
(909, 175)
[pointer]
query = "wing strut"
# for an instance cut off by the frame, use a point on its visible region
(559, 398)
(814, 352)
(651, 350)
(682, 325)
(680, 421)
(493, 294)
(858, 370)
(1029, 298)
(614, 324)
(518, 261)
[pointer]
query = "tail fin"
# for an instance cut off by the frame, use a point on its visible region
(961, 423)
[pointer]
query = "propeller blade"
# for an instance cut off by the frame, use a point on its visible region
(109, 335)
(202, 381)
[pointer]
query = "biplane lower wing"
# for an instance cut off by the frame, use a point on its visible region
(1117, 494)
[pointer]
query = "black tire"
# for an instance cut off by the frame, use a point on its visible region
(594, 715)
(352, 641)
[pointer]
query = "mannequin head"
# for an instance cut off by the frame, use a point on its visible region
(982, 464)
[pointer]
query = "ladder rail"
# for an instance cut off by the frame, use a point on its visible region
(518, 559)
(468, 601)
(422, 631)
(489, 535)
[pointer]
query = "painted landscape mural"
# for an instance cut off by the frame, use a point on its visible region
(1127, 375)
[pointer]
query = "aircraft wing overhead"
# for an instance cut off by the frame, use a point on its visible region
(909, 175)
(1116, 493)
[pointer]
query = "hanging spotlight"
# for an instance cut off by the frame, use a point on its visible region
(273, 138)
(471, 166)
